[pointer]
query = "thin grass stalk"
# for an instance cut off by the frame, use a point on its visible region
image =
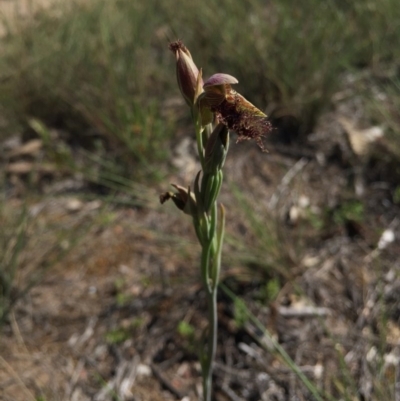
(280, 350)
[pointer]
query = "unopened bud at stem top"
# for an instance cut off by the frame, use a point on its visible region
(187, 72)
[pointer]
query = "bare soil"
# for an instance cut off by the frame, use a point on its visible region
(102, 322)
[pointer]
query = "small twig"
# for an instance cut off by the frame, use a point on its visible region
(164, 365)
(166, 383)
(380, 246)
(229, 346)
(230, 393)
(86, 335)
(13, 373)
(128, 381)
(286, 180)
(17, 332)
(257, 354)
(74, 378)
(254, 352)
(221, 369)
(303, 312)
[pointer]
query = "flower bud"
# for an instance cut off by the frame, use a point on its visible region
(216, 149)
(184, 200)
(187, 73)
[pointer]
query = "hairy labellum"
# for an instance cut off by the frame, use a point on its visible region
(239, 115)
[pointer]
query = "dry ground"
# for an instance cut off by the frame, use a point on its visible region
(102, 323)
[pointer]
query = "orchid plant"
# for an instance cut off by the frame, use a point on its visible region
(216, 108)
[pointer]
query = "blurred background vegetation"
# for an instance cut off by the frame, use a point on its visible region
(93, 80)
(100, 70)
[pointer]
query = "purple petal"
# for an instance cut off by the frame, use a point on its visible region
(220, 79)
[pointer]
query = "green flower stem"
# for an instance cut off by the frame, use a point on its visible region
(212, 344)
(209, 226)
(205, 263)
(207, 184)
(199, 139)
(198, 233)
(210, 267)
(218, 252)
(213, 226)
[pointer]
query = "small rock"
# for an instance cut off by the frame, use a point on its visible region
(30, 148)
(387, 238)
(73, 205)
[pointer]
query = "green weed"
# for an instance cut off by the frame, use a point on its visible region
(30, 248)
(118, 336)
(186, 330)
(350, 210)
